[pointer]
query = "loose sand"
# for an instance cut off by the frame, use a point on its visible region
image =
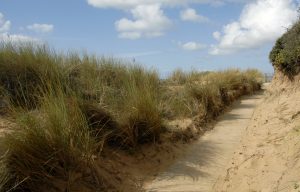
(268, 157)
(205, 160)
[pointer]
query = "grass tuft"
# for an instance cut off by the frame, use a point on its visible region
(50, 145)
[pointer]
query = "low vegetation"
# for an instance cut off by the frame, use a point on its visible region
(69, 108)
(285, 55)
(206, 94)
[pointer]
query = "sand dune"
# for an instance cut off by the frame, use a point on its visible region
(267, 159)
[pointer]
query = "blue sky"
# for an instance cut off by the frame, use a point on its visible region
(160, 34)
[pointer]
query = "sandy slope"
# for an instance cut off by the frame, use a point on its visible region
(204, 160)
(268, 157)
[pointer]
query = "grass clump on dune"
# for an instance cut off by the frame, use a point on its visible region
(141, 116)
(129, 93)
(206, 94)
(26, 69)
(71, 107)
(27, 72)
(48, 150)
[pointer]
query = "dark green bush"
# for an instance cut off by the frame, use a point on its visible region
(285, 55)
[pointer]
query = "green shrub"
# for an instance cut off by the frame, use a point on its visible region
(285, 55)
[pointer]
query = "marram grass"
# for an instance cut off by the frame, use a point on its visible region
(68, 108)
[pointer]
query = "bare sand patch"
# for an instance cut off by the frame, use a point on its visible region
(267, 159)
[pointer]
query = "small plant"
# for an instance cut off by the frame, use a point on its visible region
(296, 186)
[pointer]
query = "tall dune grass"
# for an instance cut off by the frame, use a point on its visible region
(206, 94)
(69, 108)
(50, 145)
(25, 70)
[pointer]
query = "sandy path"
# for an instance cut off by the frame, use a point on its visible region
(206, 159)
(268, 157)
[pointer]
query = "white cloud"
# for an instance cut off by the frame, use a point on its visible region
(5, 36)
(217, 35)
(191, 46)
(142, 24)
(260, 22)
(40, 28)
(17, 38)
(191, 15)
(4, 25)
(148, 21)
(130, 4)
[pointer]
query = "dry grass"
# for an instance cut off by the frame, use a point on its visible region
(70, 107)
(25, 70)
(206, 94)
(47, 146)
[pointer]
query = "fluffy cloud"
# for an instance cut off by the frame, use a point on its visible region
(4, 24)
(191, 46)
(130, 4)
(260, 22)
(148, 18)
(191, 15)
(217, 35)
(40, 28)
(6, 37)
(148, 21)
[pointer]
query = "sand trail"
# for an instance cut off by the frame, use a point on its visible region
(205, 160)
